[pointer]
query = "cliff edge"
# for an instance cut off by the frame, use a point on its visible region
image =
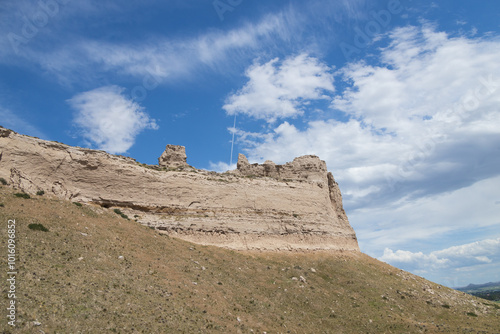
(295, 206)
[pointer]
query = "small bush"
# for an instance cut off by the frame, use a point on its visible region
(445, 306)
(118, 212)
(22, 195)
(38, 227)
(2, 181)
(40, 193)
(77, 204)
(471, 314)
(1, 205)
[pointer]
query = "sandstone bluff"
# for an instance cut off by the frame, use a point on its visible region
(295, 206)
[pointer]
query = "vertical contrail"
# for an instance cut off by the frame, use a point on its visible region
(232, 141)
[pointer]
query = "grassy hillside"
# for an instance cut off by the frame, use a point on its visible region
(94, 271)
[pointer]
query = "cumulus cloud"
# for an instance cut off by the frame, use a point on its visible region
(428, 81)
(277, 90)
(476, 253)
(427, 109)
(110, 120)
(221, 166)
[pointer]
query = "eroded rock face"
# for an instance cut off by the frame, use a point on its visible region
(174, 156)
(307, 167)
(296, 206)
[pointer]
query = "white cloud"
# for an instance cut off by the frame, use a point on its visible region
(64, 54)
(281, 90)
(429, 111)
(161, 58)
(426, 221)
(428, 81)
(110, 120)
(221, 166)
(456, 257)
(480, 251)
(418, 260)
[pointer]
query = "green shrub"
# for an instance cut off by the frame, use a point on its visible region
(40, 193)
(22, 195)
(2, 181)
(1, 205)
(471, 314)
(118, 212)
(77, 204)
(38, 227)
(445, 306)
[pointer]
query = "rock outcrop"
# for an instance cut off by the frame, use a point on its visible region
(295, 206)
(173, 157)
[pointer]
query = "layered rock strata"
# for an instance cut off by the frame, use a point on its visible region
(296, 206)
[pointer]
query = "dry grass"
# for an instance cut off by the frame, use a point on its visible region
(73, 279)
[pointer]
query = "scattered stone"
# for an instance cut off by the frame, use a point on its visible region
(36, 323)
(302, 279)
(313, 270)
(121, 257)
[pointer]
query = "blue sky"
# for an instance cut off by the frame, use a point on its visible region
(400, 98)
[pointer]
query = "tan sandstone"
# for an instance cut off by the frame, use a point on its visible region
(295, 206)
(173, 157)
